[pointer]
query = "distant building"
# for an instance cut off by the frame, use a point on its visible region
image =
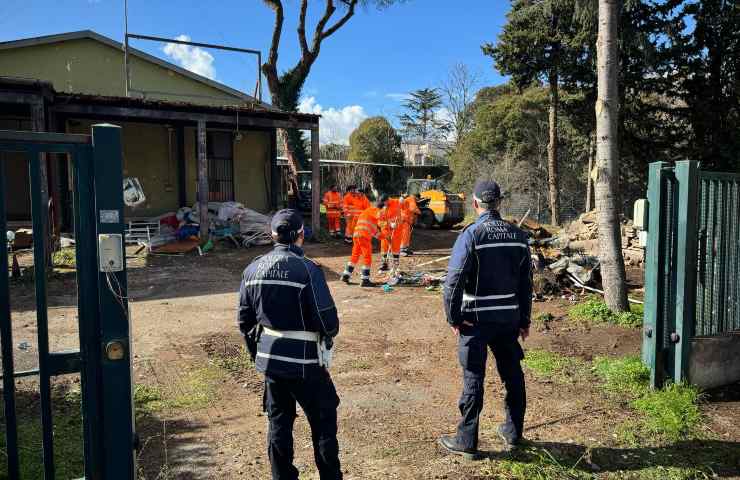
(427, 154)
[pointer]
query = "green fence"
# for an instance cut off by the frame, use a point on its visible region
(692, 273)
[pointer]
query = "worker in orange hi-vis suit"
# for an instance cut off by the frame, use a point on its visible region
(392, 234)
(409, 212)
(351, 209)
(362, 243)
(333, 204)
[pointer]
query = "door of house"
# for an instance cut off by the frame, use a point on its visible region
(103, 360)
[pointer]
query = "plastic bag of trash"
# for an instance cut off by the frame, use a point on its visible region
(133, 193)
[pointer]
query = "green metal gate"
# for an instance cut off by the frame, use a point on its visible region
(692, 274)
(104, 358)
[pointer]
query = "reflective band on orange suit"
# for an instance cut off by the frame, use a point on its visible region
(390, 218)
(365, 230)
(409, 211)
(333, 203)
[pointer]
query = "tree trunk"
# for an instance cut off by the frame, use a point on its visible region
(552, 150)
(607, 159)
(589, 182)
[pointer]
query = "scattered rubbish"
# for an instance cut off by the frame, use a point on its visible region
(387, 288)
(420, 279)
(66, 242)
(207, 247)
(178, 248)
(133, 193)
(23, 239)
(24, 346)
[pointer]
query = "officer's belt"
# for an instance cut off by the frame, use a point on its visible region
(292, 334)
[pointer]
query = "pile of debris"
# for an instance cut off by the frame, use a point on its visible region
(567, 261)
(582, 235)
(178, 232)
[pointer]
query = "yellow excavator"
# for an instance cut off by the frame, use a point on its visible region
(437, 205)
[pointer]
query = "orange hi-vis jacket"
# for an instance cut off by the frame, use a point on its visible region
(390, 216)
(409, 210)
(350, 205)
(367, 223)
(333, 201)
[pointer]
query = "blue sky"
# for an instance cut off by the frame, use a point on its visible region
(362, 70)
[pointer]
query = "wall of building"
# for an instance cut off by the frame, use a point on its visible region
(91, 67)
(17, 184)
(251, 169)
(146, 156)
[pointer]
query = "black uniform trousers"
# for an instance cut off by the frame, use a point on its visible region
(318, 400)
(473, 351)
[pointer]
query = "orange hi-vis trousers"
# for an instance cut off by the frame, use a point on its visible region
(396, 240)
(350, 222)
(405, 228)
(333, 219)
(362, 251)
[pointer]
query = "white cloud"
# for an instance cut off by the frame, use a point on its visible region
(336, 124)
(191, 58)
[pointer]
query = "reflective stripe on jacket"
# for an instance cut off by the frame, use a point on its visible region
(285, 291)
(489, 274)
(332, 200)
(367, 223)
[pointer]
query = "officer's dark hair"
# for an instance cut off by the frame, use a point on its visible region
(382, 200)
(286, 233)
(493, 205)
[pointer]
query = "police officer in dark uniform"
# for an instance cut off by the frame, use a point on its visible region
(288, 318)
(488, 302)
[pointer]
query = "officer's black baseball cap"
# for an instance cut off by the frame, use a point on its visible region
(486, 191)
(286, 222)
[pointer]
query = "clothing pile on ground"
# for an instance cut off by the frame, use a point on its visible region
(179, 231)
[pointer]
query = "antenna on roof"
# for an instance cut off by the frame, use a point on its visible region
(126, 75)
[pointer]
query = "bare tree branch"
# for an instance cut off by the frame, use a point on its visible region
(302, 29)
(340, 23)
(318, 35)
(272, 58)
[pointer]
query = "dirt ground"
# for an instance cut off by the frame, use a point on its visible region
(396, 372)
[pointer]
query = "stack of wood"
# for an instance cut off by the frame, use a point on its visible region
(634, 254)
(583, 233)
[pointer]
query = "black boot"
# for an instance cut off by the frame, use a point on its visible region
(511, 439)
(450, 445)
(345, 278)
(367, 283)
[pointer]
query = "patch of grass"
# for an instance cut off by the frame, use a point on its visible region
(534, 464)
(359, 364)
(622, 376)
(64, 258)
(542, 319)
(196, 389)
(595, 311)
(147, 399)
(237, 364)
(68, 446)
(662, 473)
(554, 365)
(670, 414)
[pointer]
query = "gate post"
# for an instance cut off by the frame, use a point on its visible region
(653, 324)
(687, 179)
(115, 360)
